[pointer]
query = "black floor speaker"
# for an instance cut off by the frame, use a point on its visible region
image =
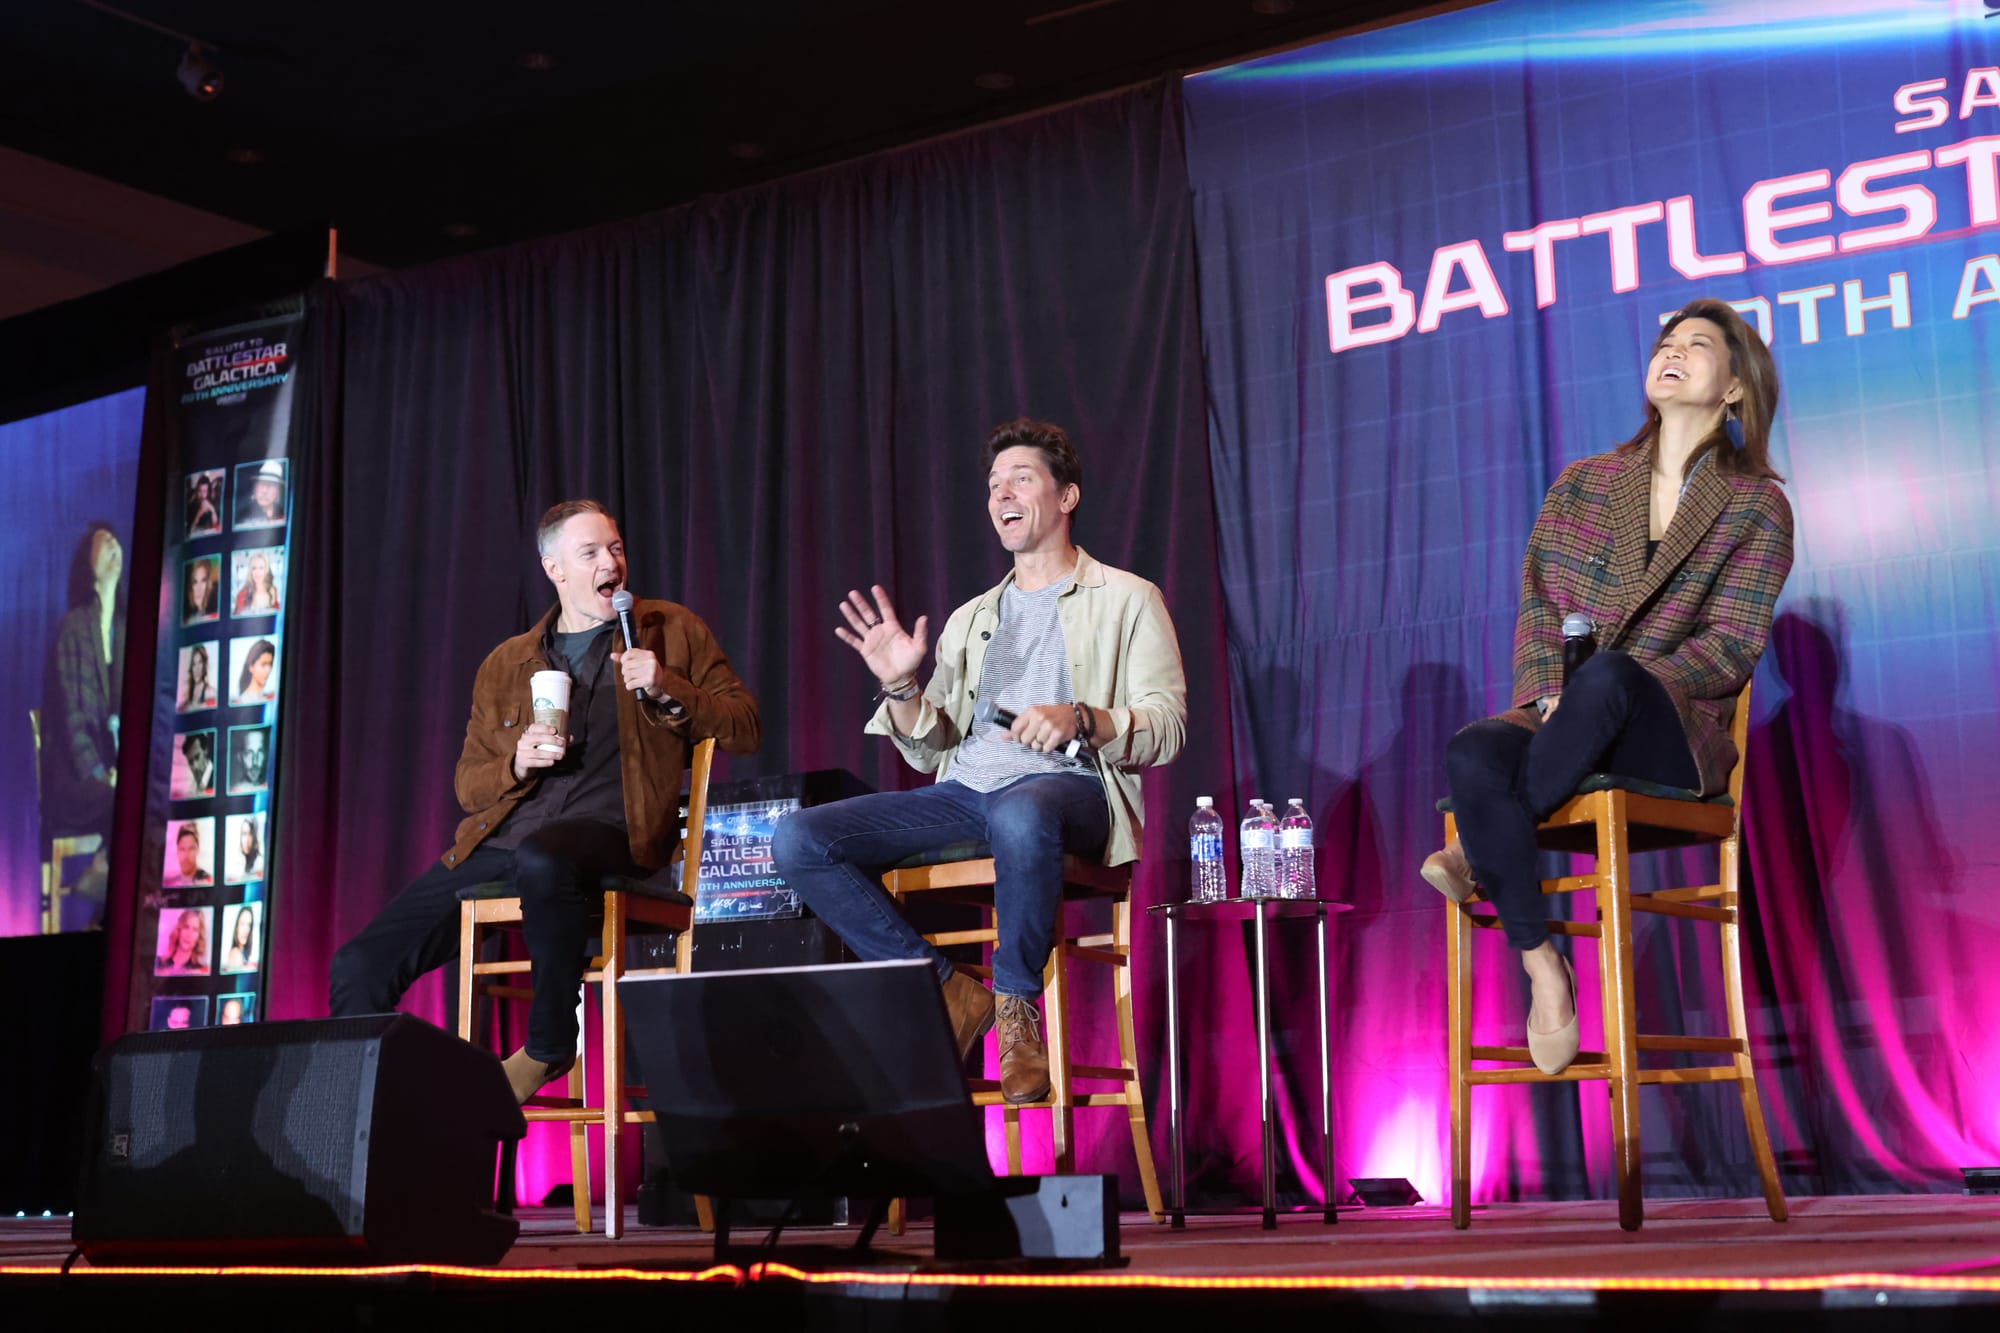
(336, 1141)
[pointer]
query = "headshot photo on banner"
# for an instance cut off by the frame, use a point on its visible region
(1435, 260)
(205, 884)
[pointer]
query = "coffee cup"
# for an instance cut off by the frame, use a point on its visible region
(550, 693)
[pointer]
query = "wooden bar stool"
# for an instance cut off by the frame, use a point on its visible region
(964, 874)
(56, 851)
(1612, 818)
(629, 905)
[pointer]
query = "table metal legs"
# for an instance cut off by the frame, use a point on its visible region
(1325, 1077)
(1177, 1147)
(1266, 1094)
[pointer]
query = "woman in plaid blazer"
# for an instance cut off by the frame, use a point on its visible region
(1676, 545)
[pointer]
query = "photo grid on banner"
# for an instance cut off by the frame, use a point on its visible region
(199, 941)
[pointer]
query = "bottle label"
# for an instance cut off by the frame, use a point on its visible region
(1205, 846)
(1256, 840)
(1293, 839)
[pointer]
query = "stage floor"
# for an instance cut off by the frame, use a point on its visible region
(1834, 1255)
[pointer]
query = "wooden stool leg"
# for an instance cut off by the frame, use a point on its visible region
(704, 1213)
(898, 1216)
(1458, 1005)
(1619, 1003)
(579, 1155)
(1746, 1076)
(613, 1060)
(1128, 1058)
(468, 955)
(1055, 1032)
(1011, 1118)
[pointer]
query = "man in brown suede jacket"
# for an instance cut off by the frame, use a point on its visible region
(553, 814)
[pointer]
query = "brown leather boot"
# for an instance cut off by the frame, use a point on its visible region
(1024, 1058)
(527, 1075)
(969, 1006)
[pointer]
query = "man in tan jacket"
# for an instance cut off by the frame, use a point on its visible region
(555, 813)
(1084, 659)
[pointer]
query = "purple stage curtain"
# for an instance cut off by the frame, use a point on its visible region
(783, 394)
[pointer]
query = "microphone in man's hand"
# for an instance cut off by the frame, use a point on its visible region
(986, 711)
(1579, 642)
(621, 602)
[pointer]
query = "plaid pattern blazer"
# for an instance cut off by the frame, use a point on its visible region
(1697, 617)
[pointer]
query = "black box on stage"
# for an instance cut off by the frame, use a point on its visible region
(343, 1140)
(1032, 1217)
(760, 924)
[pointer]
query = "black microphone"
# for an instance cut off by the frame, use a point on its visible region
(986, 711)
(621, 602)
(1579, 642)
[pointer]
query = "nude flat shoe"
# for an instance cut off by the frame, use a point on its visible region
(1553, 1051)
(1447, 871)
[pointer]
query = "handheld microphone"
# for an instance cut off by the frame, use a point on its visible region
(621, 602)
(1579, 642)
(986, 711)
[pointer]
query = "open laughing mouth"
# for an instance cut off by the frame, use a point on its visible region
(1011, 518)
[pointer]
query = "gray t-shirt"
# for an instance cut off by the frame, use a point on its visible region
(1027, 664)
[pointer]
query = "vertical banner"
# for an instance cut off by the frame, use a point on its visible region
(198, 945)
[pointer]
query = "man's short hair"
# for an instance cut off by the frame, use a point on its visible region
(1045, 438)
(187, 832)
(552, 522)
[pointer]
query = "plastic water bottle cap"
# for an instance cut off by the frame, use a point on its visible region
(1296, 800)
(1204, 802)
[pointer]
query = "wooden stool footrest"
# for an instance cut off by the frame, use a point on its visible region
(1574, 1074)
(1710, 1045)
(1115, 1074)
(1519, 1055)
(1696, 1074)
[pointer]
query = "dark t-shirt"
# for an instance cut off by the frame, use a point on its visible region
(587, 783)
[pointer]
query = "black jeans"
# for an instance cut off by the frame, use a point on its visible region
(1614, 718)
(556, 872)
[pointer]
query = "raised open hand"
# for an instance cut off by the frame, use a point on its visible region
(894, 654)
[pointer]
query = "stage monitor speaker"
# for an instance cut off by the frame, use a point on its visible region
(336, 1141)
(802, 1082)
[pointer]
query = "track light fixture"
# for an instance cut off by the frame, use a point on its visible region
(198, 74)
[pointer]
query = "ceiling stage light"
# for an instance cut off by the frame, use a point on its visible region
(201, 78)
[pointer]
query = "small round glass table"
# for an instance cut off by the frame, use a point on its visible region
(1263, 912)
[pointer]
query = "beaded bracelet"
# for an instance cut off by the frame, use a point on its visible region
(900, 696)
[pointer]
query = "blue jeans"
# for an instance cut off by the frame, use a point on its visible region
(834, 856)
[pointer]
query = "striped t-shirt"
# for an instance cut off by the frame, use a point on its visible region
(1027, 664)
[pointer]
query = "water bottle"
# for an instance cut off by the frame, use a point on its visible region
(1295, 852)
(1210, 880)
(1257, 843)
